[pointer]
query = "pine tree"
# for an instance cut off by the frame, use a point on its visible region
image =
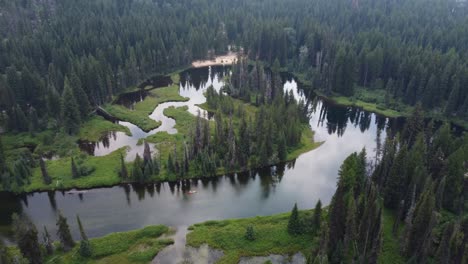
(282, 152)
(294, 223)
(63, 232)
(3, 166)
(45, 175)
(421, 224)
(395, 188)
(350, 230)
(453, 193)
(80, 95)
(414, 125)
(74, 169)
(317, 218)
(443, 251)
(26, 237)
(250, 233)
(85, 246)
(452, 103)
(170, 164)
(70, 112)
(322, 256)
(137, 172)
(147, 153)
(47, 242)
(123, 173)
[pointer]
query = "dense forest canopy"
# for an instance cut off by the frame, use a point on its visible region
(413, 50)
(59, 59)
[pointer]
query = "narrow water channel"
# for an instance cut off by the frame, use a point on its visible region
(272, 190)
(191, 87)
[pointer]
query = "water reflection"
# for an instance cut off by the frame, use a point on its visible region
(192, 86)
(260, 192)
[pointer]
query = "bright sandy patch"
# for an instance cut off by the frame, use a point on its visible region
(227, 59)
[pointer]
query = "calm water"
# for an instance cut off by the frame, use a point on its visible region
(268, 191)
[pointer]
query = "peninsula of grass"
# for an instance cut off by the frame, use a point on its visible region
(140, 115)
(132, 247)
(271, 237)
(97, 126)
(105, 172)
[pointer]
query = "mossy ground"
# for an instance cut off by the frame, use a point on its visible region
(271, 237)
(137, 246)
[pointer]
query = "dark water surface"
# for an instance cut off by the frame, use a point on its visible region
(310, 177)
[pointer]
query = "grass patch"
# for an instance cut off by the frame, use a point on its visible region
(97, 127)
(140, 115)
(45, 142)
(104, 174)
(158, 96)
(372, 100)
(270, 232)
(138, 246)
(307, 144)
(371, 107)
(138, 118)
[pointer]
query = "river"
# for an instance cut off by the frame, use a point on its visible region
(272, 190)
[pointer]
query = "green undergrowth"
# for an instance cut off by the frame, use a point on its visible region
(138, 246)
(271, 237)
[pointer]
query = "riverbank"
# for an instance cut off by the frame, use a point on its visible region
(370, 107)
(366, 100)
(270, 232)
(136, 246)
(102, 170)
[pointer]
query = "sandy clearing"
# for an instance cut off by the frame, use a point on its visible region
(227, 59)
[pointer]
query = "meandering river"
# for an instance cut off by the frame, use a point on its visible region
(272, 190)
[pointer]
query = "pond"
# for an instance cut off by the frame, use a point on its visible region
(266, 191)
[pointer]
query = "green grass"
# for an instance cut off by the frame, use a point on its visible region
(370, 100)
(270, 231)
(97, 126)
(140, 115)
(307, 144)
(175, 77)
(105, 173)
(373, 101)
(391, 246)
(138, 246)
(46, 141)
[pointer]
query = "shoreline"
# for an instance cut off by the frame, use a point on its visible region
(291, 156)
